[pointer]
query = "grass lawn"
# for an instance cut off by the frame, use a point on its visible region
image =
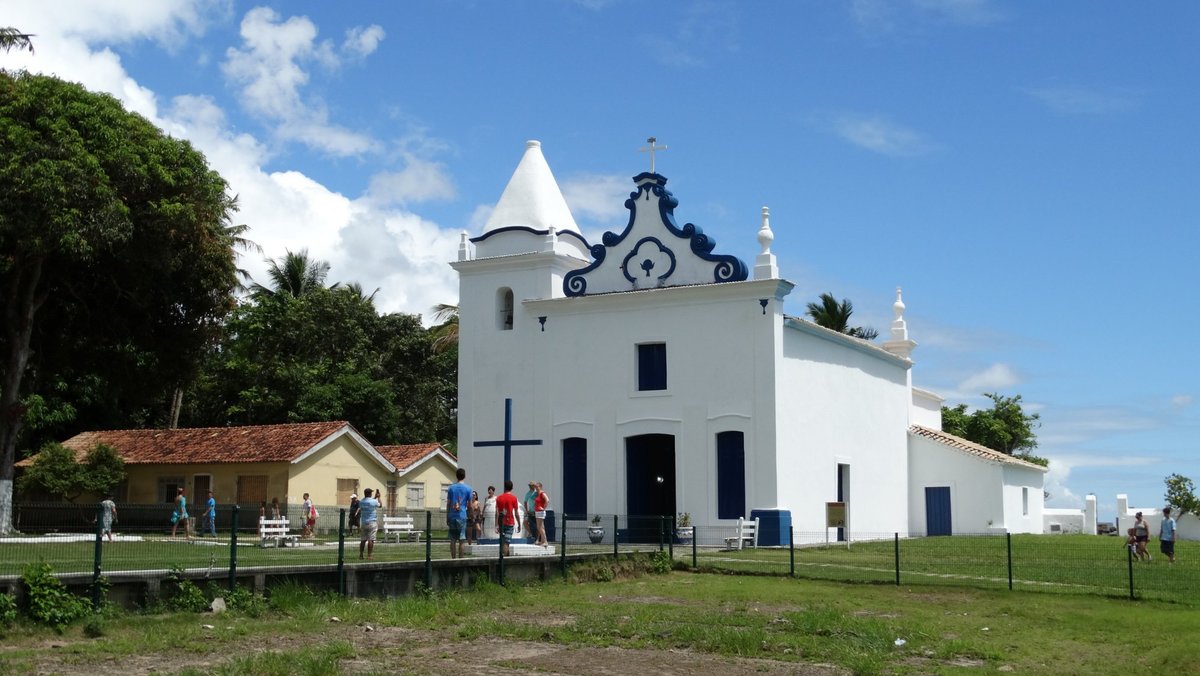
(677, 623)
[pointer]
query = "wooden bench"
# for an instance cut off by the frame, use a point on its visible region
(275, 531)
(746, 534)
(401, 527)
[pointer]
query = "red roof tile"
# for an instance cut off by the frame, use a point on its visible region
(404, 455)
(970, 447)
(255, 443)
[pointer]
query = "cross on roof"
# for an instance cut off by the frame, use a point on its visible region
(651, 149)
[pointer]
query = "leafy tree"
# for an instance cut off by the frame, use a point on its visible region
(446, 332)
(327, 354)
(11, 37)
(1181, 495)
(836, 316)
(1005, 427)
(57, 472)
(116, 264)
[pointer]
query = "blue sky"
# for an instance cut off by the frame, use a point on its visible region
(1026, 171)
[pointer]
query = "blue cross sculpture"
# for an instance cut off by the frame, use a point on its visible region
(508, 442)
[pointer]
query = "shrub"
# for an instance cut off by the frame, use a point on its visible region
(8, 611)
(187, 597)
(49, 601)
(660, 562)
(93, 628)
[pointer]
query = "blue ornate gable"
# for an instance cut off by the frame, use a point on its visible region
(648, 253)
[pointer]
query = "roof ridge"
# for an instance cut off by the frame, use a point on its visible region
(227, 427)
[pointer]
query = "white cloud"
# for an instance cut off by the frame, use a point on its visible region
(893, 16)
(1074, 100)
(880, 135)
(167, 22)
(599, 198)
(361, 42)
(269, 69)
(701, 30)
(993, 378)
(419, 181)
(1181, 401)
(961, 11)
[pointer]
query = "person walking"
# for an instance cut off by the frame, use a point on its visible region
(508, 520)
(1166, 535)
(368, 508)
(180, 514)
(310, 517)
(474, 518)
(458, 497)
(210, 515)
(108, 516)
(1141, 533)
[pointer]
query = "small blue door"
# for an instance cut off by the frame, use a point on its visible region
(937, 510)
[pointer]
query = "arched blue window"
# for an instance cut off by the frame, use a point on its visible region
(504, 309)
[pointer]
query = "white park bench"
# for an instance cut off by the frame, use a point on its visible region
(275, 531)
(746, 534)
(401, 527)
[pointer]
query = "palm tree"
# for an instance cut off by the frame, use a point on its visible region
(295, 274)
(836, 316)
(11, 37)
(446, 333)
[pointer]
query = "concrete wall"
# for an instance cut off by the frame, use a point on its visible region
(143, 480)
(977, 500)
(1188, 527)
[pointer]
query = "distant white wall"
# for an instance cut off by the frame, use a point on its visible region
(926, 409)
(1187, 527)
(1071, 520)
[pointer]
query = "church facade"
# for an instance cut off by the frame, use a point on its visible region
(650, 374)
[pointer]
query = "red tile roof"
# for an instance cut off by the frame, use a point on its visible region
(405, 455)
(255, 443)
(970, 447)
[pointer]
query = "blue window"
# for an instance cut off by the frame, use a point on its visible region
(731, 475)
(652, 366)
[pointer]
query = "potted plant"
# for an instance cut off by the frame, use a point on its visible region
(596, 531)
(684, 530)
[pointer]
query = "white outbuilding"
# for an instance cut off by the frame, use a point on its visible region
(649, 374)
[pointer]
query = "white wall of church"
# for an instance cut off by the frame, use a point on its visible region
(1024, 499)
(977, 503)
(926, 409)
(842, 404)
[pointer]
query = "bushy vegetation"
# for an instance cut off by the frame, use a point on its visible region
(48, 601)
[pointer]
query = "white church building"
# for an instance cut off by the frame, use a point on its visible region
(649, 374)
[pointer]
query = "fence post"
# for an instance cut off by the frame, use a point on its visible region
(429, 550)
(792, 548)
(661, 525)
(695, 538)
(897, 548)
(1008, 536)
(98, 557)
(342, 551)
(562, 542)
(671, 537)
(233, 528)
(1130, 558)
(616, 524)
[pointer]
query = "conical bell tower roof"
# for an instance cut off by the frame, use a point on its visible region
(532, 198)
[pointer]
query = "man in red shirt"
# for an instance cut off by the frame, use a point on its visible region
(506, 516)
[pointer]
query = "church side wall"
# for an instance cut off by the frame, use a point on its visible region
(840, 405)
(1020, 516)
(977, 488)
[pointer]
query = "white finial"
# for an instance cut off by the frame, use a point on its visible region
(651, 149)
(765, 236)
(533, 144)
(900, 344)
(548, 244)
(464, 247)
(898, 306)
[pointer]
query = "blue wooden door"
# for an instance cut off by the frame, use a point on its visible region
(937, 510)
(574, 485)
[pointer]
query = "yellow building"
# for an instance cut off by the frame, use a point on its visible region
(423, 473)
(246, 465)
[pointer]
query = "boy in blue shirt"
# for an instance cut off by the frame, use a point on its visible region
(458, 496)
(1166, 535)
(367, 507)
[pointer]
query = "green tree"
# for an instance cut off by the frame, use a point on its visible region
(11, 37)
(116, 262)
(1181, 495)
(1005, 427)
(446, 331)
(57, 472)
(836, 316)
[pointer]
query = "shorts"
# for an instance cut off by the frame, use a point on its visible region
(458, 529)
(1167, 547)
(506, 533)
(1143, 538)
(539, 515)
(369, 529)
